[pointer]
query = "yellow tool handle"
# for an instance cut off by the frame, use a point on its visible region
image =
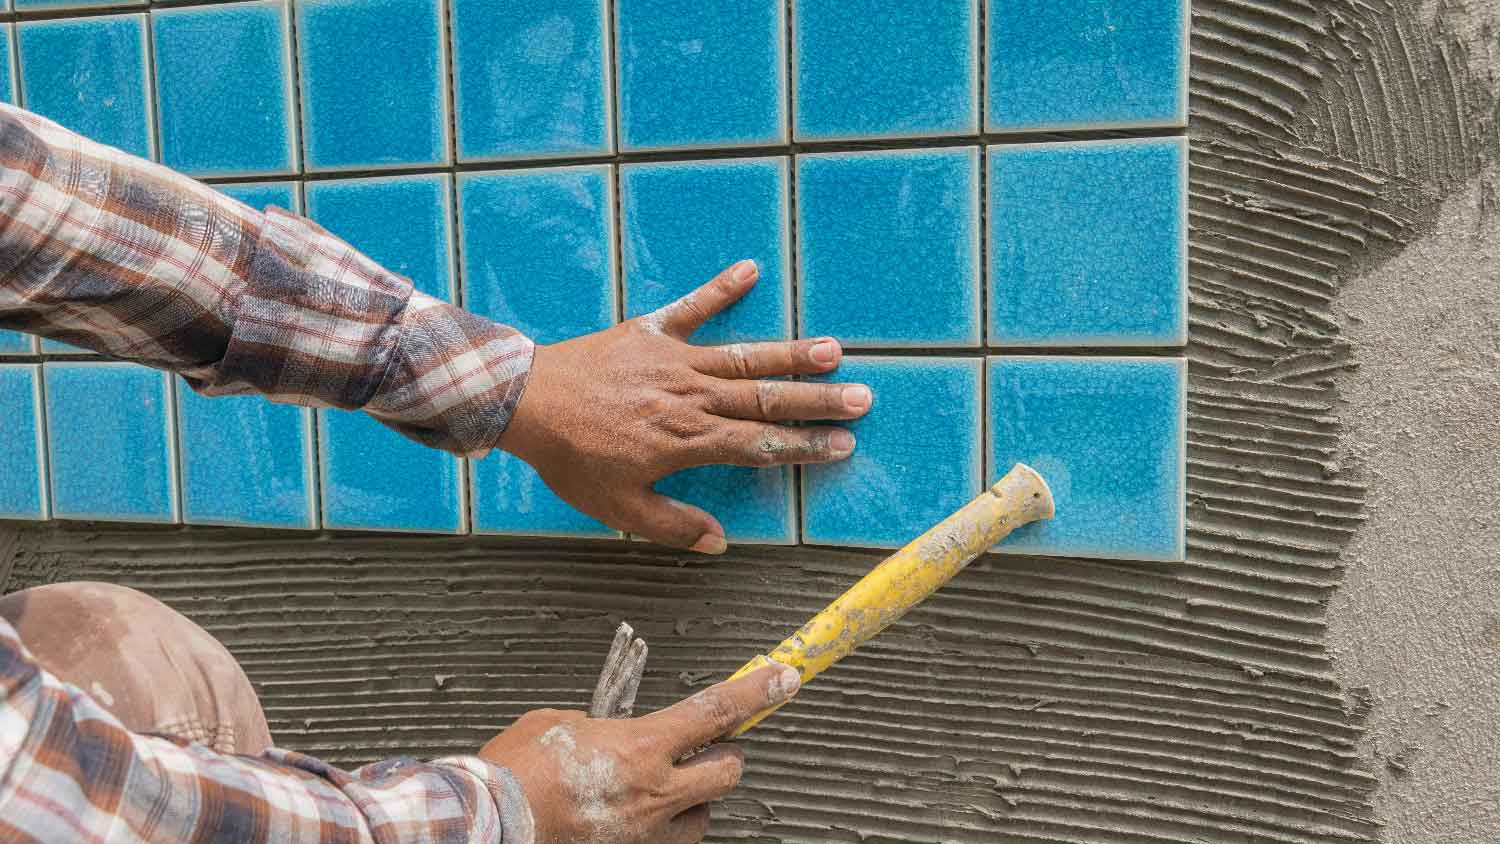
(907, 577)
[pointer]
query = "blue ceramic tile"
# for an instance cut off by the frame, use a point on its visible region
(111, 442)
(1088, 63)
(754, 505)
(224, 88)
(16, 343)
(885, 68)
(510, 498)
(917, 454)
(23, 452)
(538, 249)
(245, 461)
(89, 74)
(888, 247)
(403, 223)
(262, 195)
(685, 222)
(372, 477)
(372, 75)
(1088, 243)
(701, 74)
(530, 79)
(375, 479)
(1107, 434)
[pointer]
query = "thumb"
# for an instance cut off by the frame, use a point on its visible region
(667, 521)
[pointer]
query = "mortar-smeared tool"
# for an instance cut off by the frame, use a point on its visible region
(908, 576)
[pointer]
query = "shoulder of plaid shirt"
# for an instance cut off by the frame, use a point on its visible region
(107, 251)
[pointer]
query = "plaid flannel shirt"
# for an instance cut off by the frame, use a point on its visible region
(103, 250)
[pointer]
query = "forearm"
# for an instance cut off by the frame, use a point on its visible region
(106, 251)
(70, 771)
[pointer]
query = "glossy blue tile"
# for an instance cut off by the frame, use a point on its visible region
(375, 479)
(23, 451)
(1063, 64)
(403, 223)
(885, 68)
(372, 477)
(1107, 434)
(685, 222)
(16, 343)
(372, 75)
(224, 88)
(754, 505)
(888, 247)
(509, 498)
(245, 461)
(111, 441)
(530, 79)
(701, 74)
(89, 74)
(1088, 243)
(538, 249)
(917, 454)
(262, 195)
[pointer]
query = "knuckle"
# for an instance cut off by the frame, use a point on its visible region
(717, 709)
(765, 450)
(770, 398)
(737, 360)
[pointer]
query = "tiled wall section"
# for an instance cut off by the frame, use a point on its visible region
(562, 164)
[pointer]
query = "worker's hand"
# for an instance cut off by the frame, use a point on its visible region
(622, 781)
(607, 415)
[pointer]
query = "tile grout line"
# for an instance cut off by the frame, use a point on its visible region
(44, 437)
(982, 84)
(312, 419)
(153, 119)
(611, 49)
(868, 145)
(793, 274)
(294, 93)
(611, 64)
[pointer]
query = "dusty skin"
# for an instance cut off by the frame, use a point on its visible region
(635, 780)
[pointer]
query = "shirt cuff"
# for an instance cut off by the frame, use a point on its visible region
(517, 826)
(455, 378)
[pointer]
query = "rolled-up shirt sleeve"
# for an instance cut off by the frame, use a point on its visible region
(112, 253)
(70, 771)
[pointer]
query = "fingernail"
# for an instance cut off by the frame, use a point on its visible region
(743, 271)
(825, 352)
(841, 443)
(710, 543)
(857, 398)
(785, 687)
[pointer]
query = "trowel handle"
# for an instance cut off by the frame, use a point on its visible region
(907, 577)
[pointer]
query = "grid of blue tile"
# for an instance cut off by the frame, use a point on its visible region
(561, 165)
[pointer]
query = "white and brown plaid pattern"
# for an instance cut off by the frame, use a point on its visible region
(112, 253)
(69, 771)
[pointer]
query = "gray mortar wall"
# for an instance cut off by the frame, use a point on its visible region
(1342, 477)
